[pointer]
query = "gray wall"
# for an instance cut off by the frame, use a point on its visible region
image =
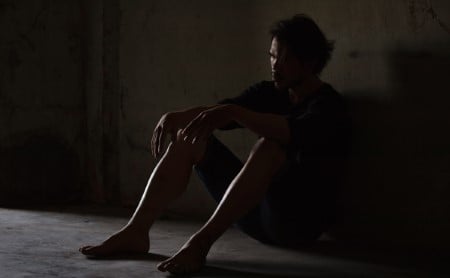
(391, 61)
(41, 101)
(87, 81)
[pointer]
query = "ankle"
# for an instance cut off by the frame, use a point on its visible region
(204, 241)
(136, 228)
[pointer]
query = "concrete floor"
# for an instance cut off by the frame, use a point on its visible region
(44, 243)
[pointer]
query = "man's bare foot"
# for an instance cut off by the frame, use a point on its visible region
(127, 240)
(189, 259)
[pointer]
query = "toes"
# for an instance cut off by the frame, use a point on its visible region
(85, 249)
(176, 268)
(162, 266)
(91, 250)
(171, 267)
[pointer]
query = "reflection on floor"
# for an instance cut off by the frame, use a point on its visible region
(44, 243)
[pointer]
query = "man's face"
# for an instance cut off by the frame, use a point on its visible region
(287, 70)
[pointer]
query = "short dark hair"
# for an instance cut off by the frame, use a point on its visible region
(302, 35)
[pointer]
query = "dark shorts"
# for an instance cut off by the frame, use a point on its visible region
(290, 214)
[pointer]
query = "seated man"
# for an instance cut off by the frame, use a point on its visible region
(284, 193)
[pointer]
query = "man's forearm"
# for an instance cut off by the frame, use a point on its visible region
(191, 113)
(267, 125)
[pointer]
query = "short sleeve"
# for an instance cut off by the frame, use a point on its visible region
(255, 98)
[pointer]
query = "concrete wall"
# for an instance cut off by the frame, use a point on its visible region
(41, 101)
(391, 61)
(83, 84)
(179, 54)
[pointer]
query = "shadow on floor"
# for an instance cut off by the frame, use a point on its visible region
(207, 271)
(214, 271)
(403, 263)
(325, 259)
(131, 257)
(408, 259)
(387, 255)
(403, 260)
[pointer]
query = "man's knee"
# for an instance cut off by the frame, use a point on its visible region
(195, 151)
(270, 148)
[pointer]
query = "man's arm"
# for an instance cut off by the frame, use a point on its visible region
(191, 113)
(271, 126)
(170, 123)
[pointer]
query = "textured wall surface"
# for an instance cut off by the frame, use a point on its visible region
(83, 84)
(391, 61)
(41, 100)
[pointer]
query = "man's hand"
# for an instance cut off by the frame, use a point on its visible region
(169, 123)
(206, 122)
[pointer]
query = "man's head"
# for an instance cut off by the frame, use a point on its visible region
(299, 49)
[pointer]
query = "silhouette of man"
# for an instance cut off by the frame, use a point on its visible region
(284, 193)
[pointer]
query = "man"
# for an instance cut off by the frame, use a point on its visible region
(284, 193)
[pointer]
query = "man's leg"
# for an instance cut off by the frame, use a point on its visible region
(245, 192)
(217, 169)
(168, 181)
(292, 214)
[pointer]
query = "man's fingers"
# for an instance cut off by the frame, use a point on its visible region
(186, 130)
(192, 134)
(203, 133)
(193, 130)
(174, 135)
(189, 128)
(153, 142)
(161, 137)
(156, 142)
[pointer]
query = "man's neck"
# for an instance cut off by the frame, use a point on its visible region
(298, 93)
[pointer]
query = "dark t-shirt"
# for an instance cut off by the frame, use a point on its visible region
(319, 129)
